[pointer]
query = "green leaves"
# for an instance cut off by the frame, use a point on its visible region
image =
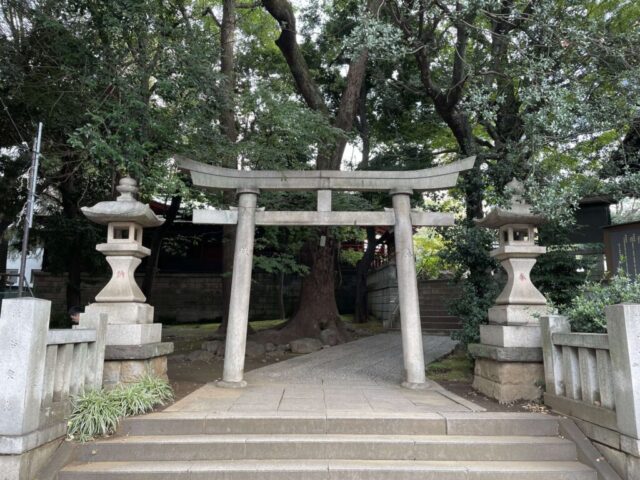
(586, 310)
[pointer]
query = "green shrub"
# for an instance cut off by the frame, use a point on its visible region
(472, 309)
(96, 413)
(586, 310)
(559, 274)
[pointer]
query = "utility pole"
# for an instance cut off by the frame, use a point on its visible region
(28, 214)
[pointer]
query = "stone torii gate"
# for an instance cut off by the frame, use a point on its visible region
(248, 184)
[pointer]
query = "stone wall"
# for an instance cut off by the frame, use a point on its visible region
(434, 295)
(181, 297)
(193, 297)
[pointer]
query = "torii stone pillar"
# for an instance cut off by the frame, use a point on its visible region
(240, 291)
(410, 325)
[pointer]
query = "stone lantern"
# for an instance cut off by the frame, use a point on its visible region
(133, 341)
(509, 356)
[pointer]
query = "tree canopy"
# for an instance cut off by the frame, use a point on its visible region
(542, 90)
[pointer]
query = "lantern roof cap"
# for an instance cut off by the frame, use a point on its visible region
(518, 212)
(125, 208)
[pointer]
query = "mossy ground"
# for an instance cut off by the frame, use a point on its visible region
(456, 367)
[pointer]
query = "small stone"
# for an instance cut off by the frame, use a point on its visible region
(212, 346)
(329, 337)
(270, 347)
(254, 349)
(201, 356)
(306, 345)
(285, 347)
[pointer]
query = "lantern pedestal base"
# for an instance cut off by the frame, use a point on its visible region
(511, 335)
(517, 314)
(125, 364)
(508, 381)
(123, 312)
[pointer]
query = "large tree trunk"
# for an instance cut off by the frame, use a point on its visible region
(317, 307)
(156, 244)
(313, 316)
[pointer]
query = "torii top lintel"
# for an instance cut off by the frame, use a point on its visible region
(217, 178)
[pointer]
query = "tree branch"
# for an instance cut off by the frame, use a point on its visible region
(209, 11)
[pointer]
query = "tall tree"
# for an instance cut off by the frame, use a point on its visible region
(317, 309)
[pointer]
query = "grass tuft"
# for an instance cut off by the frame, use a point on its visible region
(96, 413)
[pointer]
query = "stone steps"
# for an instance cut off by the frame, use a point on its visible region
(335, 445)
(450, 423)
(328, 470)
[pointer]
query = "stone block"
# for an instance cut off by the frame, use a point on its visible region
(305, 345)
(517, 314)
(623, 327)
(508, 382)
(138, 352)
(212, 346)
(24, 323)
(630, 445)
(506, 393)
(329, 336)
(111, 373)
(134, 334)
(506, 354)
(633, 467)
(599, 434)
(159, 367)
(615, 458)
(511, 335)
(510, 373)
(26, 466)
(132, 370)
(123, 312)
(254, 349)
(200, 356)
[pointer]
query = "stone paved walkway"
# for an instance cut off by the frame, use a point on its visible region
(361, 377)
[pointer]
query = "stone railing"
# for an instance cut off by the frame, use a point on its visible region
(595, 379)
(40, 371)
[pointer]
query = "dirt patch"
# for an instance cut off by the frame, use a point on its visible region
(187, 375)
(464, 390)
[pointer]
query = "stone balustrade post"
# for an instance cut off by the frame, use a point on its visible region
(24, 323)
(552, 354)
(94, 369)
(623, 327)
(236, 342)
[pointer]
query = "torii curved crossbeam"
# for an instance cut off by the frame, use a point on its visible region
(218, 178)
